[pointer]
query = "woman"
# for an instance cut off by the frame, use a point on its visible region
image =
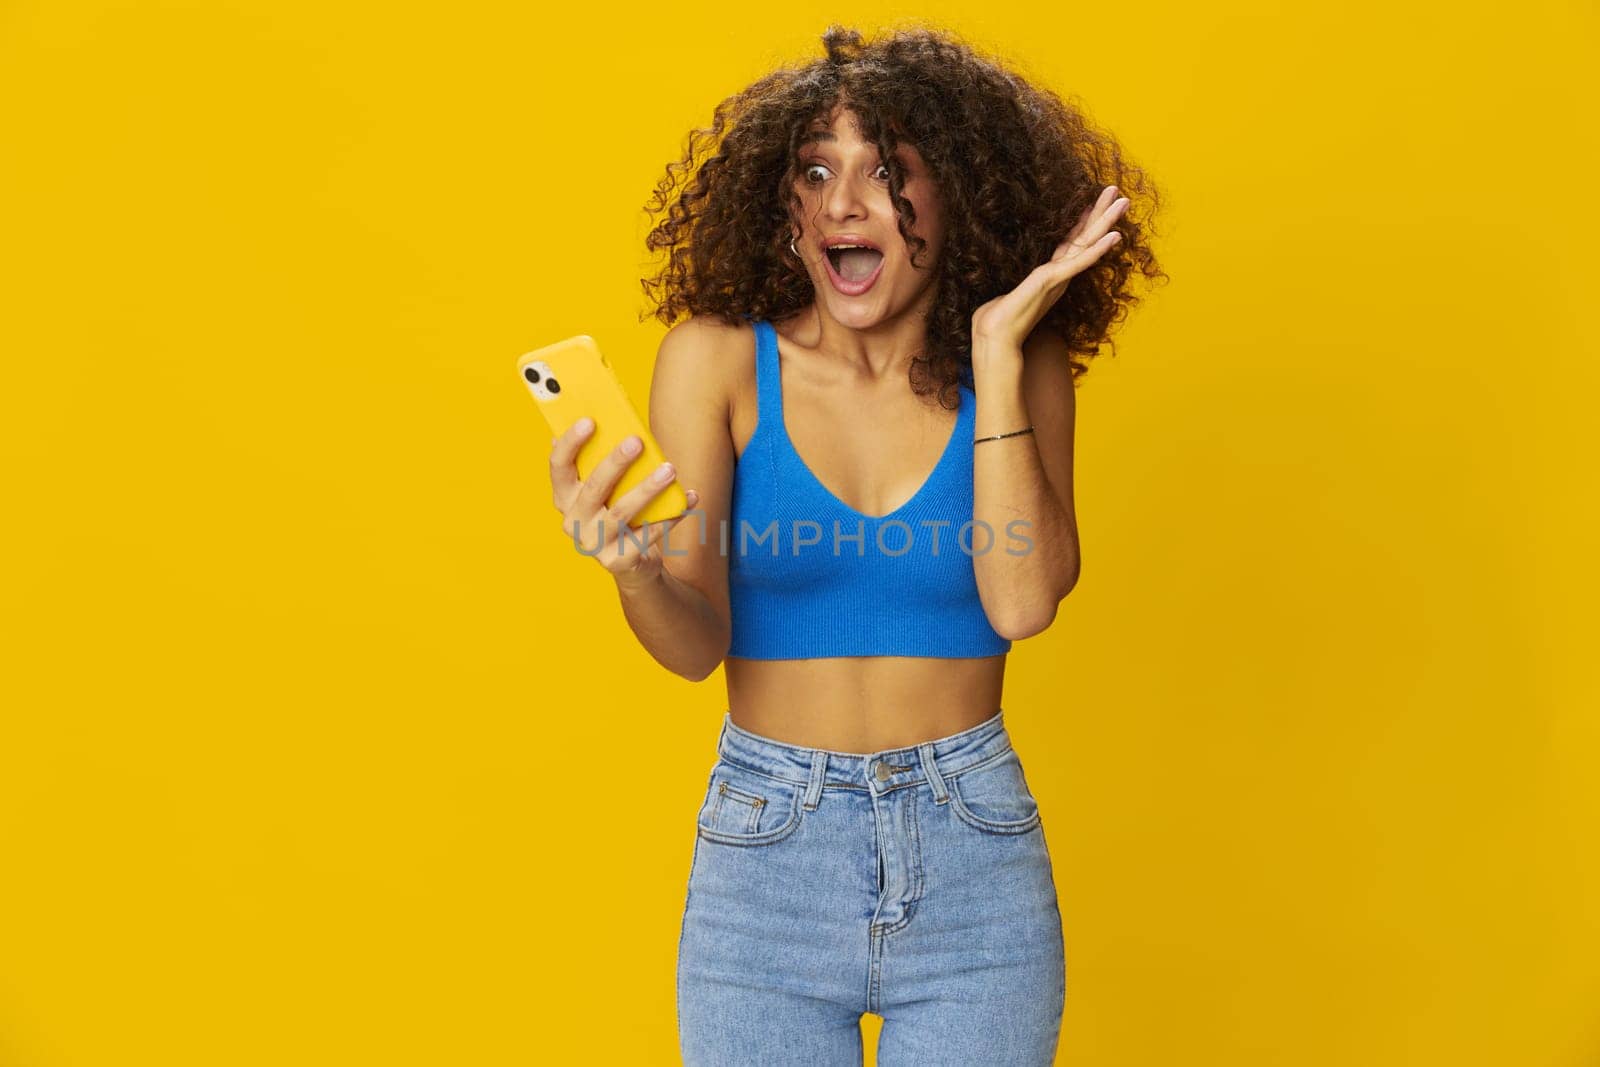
(894, 265)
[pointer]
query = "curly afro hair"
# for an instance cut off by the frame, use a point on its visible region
(1015, 167)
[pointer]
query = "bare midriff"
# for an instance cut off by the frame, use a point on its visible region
(862, 704)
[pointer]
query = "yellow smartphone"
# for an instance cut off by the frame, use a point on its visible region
(571, 379)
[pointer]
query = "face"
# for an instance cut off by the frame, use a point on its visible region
(844, 192)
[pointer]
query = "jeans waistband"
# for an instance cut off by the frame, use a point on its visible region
(941, 757)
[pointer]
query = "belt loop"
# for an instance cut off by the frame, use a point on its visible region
(819, 768)
(930, 767)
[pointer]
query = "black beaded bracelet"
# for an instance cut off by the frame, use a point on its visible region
(996, 437)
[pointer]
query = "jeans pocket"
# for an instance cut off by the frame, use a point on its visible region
(994, 796)
(746, 807)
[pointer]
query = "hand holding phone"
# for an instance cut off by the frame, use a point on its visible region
(597, 484)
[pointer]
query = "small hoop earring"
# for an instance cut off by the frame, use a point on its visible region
(793, 249)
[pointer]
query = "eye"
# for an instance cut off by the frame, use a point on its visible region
(883, 168)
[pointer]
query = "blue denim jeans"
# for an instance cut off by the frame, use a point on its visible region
(913, 883)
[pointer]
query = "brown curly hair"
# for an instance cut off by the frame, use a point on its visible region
(1015, 167)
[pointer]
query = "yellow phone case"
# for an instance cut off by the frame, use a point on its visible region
(571, 379)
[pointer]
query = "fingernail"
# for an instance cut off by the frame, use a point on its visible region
(585, 424)
(663, 472)
(632, 445)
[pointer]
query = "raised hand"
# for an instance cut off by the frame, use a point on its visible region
(1007, 320)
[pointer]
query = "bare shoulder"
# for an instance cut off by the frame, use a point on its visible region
(702, 354)
(703, 339)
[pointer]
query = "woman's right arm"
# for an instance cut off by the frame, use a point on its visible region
(674, 594)
(681, 615)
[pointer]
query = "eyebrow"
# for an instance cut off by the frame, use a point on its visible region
(815, 136)
(823, 135)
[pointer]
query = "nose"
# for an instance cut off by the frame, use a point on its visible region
(843, 200)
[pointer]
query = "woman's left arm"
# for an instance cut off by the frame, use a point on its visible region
(1022, 486)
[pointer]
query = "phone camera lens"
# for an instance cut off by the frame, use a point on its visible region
(552, 385)
(532, 374)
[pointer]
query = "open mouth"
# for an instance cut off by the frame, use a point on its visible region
(853, 270)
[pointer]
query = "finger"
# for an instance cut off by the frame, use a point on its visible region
(564, 461)
(638, 542)
(1065, 269)
(1093, 224)
(655, 532)
(591, 536)
(624, 541)
(596, 489)
(659, 530)
(634, 500)
(1093, 242)
(1089, 212)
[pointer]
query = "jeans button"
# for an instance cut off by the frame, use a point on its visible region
(880, 770)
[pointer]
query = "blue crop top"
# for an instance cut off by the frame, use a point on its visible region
(810, 576)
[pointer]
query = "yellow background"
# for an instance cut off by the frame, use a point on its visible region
(322, 747)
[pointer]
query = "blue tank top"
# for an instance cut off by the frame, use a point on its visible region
(810, 576)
